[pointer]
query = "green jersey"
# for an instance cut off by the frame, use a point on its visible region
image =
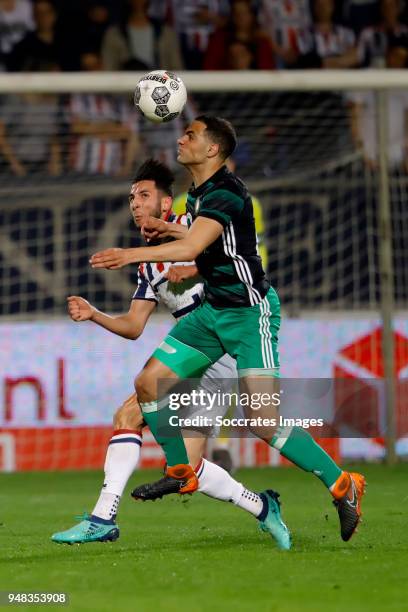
(231, 266)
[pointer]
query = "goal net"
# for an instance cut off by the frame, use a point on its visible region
(309, 153)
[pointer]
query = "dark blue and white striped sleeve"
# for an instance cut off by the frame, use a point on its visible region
(144, 290)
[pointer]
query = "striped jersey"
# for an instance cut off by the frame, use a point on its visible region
(182, 16)
(326, 44)
(374, 43)
(284, 19)
(152, 284)
(231, 266)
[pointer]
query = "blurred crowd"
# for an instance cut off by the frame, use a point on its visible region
(103, 134)
(71, 35)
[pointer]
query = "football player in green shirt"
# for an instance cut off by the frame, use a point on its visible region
(240, 316)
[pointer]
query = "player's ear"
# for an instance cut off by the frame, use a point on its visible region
(166, 204)
(213, 149)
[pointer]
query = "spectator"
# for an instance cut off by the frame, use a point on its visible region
(104, 138)
(240, 56)
(30, 126)
(326, 44)
(363, 117)
(42, 44)
(284, 20)
(139, 44)
(95, 23)
(374, 42)
(194, 21)
(15, 21)
(80, 28)
(241, 44)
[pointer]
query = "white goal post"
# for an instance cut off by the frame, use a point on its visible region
(259, 80)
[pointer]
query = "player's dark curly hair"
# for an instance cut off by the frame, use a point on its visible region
(154, 170)
(221, 132)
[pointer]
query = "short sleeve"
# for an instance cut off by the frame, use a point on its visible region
(144, 290)
(221, 205)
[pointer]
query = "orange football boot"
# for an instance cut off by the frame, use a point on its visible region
(185, 473)
(177, 479)
(348, 491)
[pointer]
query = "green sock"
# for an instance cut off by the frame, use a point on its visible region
(297, 445)
(169, 437)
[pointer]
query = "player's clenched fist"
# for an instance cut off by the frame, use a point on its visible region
(110, 259)
(153, 229)
(79, 309)
(178, 274)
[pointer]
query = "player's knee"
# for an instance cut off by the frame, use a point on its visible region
(144, 386)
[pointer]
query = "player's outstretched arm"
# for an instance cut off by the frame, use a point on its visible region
(129, 325)
(201, 234)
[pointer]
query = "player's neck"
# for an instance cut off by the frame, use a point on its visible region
(201, 174)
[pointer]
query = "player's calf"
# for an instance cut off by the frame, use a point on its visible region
(129, 415)
(195, 447)
(156, 413)
(122, 458)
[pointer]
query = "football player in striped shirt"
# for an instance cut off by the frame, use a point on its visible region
(240, 315)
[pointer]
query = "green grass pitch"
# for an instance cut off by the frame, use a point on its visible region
(206, 555)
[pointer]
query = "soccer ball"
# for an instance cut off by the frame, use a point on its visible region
(160, 96)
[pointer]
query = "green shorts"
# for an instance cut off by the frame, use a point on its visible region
(249, 334)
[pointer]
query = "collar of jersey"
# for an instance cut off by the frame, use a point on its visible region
(170, 215)
(209, 182)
